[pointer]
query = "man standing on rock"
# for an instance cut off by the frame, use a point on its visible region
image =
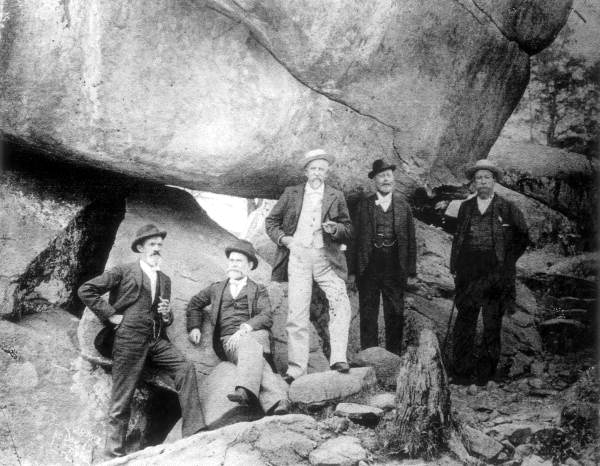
(383, 256)
(240, 313)
(138, 305)
(310, 224)
(491, 235)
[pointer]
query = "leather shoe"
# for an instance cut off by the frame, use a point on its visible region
(342, 367)
(282, 407)
(288, 379)
(240, 396)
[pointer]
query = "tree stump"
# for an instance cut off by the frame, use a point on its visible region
(422, 423)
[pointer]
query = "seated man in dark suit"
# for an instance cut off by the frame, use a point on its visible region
(241, 315)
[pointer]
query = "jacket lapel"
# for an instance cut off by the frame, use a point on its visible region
(162, 291)
(396, 210)
(328, 198)
(371, 212)
(251, 290)
(299, 194)
(217, 305)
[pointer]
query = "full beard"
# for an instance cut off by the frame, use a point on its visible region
(154, 260)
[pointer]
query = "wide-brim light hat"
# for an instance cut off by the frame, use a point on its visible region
(243, 247)
(317, 154)
(380, 166)
(145, 232)
(484, 164)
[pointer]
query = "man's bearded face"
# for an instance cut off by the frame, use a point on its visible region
(238, 265)
(150, 250)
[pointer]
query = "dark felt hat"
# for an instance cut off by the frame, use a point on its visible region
(484, 164)
(244, 247)
(145, 232)
(380, 166)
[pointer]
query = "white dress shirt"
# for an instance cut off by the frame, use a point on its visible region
(235, 286)
(483, 204)
(309, 231)
(151, 272)
(384, 200)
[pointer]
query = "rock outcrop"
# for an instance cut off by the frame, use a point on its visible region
(564, 181)
(221, 95)
(272, 440)
(56, 229)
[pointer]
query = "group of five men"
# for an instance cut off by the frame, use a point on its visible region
(311, 227)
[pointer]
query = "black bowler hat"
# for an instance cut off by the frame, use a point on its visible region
(145, 232)
(244, 247)
(380, 166)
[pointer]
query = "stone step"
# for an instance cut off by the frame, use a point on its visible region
(322, 387)
(361, 414)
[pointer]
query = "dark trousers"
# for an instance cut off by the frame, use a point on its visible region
(382, 277)
(131, 351)
(481, 286)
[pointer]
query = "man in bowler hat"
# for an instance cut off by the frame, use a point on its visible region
(310, 225)
(382, 257)
(491, 235)
(138, 305)
(240, 314)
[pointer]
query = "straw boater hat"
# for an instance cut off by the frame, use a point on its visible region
(145, 232)
(244, 247)
(380, 166)
(316, 154)
(484, 164)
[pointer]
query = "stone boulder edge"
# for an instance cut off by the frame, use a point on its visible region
(319, 388)
(55, 230)
(272, 440)
(385, 364)
(323, 75)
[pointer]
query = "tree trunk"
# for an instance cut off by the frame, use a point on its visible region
(422, 423)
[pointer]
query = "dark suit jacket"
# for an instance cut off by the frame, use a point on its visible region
(510, 234)
(261, 314)
(123, 283)
(283, 221)
(364, 232)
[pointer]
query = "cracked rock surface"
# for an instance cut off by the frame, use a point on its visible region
(222, 95)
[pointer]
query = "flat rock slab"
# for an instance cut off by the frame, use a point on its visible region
(516, 433)
(321, 387)
(479, 444)
(341, 451)
(272, 440)
(385, 363)
(361, 414)
(385, 401)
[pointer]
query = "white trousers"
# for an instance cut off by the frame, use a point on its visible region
(253, 372)
(306, 265)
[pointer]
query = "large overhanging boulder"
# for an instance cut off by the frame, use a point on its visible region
(221, 95)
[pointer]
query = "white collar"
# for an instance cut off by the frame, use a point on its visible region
(485, 201)
(383, 197)
(149, 269)
(483, 204)
(240, 282)
(320, 190)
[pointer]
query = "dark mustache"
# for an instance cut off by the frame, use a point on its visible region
(155, 253)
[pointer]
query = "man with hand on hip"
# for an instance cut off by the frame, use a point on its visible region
(310, 225)
(138, 305)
